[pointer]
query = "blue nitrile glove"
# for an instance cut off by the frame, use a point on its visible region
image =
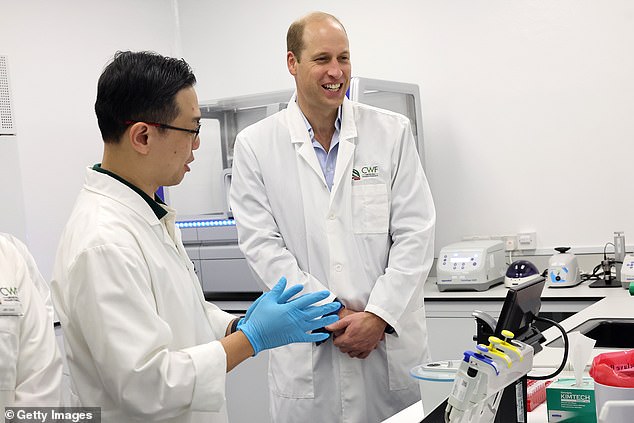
(249, 311)
(273, 320)
(324, 330)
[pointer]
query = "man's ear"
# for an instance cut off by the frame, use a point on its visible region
(139, 137)
(291, 62)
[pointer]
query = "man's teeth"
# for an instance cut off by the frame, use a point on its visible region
(332, 87)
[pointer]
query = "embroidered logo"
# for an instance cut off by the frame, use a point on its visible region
(9, 294)
(369, 171)
(366, 172)
(9, 291)
(10, 301)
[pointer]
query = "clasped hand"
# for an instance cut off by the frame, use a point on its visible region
(357, 333)
(274, 319)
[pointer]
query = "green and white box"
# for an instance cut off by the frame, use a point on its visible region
(569, 403)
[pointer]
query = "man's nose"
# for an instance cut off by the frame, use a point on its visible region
(334, 69)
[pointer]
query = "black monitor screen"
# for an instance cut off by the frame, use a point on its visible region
(521, 305)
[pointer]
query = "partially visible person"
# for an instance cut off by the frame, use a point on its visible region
(331, 193)
(141, 341)
(30, 362)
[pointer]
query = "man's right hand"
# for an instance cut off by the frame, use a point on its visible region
(357, 333)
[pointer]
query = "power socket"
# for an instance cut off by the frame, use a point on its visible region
(527, 240)
(510, 242)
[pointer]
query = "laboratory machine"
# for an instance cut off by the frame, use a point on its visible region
(627, 271)
(619, 264)
(519, 272)
(563, 269)
(202, 199)
(470, 265)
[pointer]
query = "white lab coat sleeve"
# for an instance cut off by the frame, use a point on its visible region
(412, 222)
(115, 312)
(220, 319)
(39, 364)
(259, 236)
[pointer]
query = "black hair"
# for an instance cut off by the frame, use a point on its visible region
(139, 86)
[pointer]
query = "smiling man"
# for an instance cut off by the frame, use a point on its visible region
(332, 193)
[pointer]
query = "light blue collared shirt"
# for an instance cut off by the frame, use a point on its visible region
(327, 160)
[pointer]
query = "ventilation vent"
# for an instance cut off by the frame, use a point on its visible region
(7, 125)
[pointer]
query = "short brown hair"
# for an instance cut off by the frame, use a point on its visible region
(295, 34)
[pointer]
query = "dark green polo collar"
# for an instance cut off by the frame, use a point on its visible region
(154, 203)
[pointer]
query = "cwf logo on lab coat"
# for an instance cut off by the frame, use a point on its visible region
(8, 293)
(366, 172)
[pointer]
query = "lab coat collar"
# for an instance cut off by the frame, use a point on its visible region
(347, 146)
(297, 128)
(348, 127)
(347, 143)
(154, 203)
(104, 184)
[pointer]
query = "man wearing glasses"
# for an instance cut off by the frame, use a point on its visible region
(141, 342)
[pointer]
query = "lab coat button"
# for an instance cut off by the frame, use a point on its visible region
(338, 267)
(332, 216)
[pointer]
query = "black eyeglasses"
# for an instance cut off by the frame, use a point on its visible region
(164, 126)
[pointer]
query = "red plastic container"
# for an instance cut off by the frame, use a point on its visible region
(536, 393)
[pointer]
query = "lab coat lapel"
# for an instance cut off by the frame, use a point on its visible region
(172, 237)
(347, 146)
(301, 139)
(109, 187)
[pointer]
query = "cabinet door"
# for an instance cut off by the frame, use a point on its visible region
(450, 336)
(248, 390)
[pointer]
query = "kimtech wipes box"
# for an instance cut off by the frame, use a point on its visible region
(569, 403)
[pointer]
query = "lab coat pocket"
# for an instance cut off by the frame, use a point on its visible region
(9, 327)
(370, 209)
(291, 371)
(407, 350)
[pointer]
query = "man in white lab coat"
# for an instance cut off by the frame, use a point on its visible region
(30, 363)
(332, 193)
(142, 344)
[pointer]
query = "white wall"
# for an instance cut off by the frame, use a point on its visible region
(11, 189)
(56, 52)
(527, 105)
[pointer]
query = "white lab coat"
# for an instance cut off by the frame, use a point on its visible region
(30, 363)
(369, 241)
(140, 340)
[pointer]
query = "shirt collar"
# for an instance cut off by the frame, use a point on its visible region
(309, 128)
(154, 203)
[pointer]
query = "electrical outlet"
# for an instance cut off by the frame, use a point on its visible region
(510, 242)
(527, 240)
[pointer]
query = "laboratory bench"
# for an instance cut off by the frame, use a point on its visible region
(449, 311)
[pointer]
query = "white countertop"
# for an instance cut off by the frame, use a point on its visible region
(498, 292)
(609, 308)
(612, 303)
(581, 291)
